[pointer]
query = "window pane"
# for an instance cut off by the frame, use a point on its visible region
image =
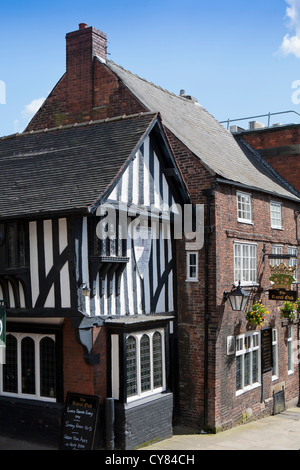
(28, 366)
(239, 372)
(192, 259)
(255, 366)
(10, 369)
(157, 360)
(47, 368)
(131, 366)
(145, 364)
(274, 351)
(247, 369)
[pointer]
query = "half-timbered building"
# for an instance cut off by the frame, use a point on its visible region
(87, 258)
(94, 180)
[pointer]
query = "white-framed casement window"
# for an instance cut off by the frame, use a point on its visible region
(294, 261)
(244, 211)
(290, 345)
(248, 365)
(245, 270)
(30, 369)
(145, 364)
(275, 354)
(276, 216)
(192, 266)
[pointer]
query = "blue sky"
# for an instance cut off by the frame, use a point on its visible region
(237, 58)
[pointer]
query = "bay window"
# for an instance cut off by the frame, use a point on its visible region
(145, 363)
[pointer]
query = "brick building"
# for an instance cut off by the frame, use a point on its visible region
(214, 370)
(279, 145)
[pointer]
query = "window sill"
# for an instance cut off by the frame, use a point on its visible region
(146, 399)
(30, 401)
(247, 389)
(192, 280)
(244, 221)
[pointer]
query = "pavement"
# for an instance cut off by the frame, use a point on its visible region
(279, 432)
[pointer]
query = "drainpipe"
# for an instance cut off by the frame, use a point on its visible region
(209, 193)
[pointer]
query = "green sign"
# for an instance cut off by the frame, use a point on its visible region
(2, 324)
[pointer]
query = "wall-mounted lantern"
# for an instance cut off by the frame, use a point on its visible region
(85, 290)
(238, 298)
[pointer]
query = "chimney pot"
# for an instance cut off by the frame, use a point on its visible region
(83, 25)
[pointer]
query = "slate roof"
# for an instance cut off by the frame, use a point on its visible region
(66, 168)
(219, 151)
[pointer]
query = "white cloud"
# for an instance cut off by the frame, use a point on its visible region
(291, 42)
(31, 108)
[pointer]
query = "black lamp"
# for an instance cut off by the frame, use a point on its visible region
(238, 298)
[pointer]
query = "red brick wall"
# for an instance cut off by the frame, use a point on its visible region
(285, 162)
(229, 407)
(191, 300)
(80, 377)
(107, 98)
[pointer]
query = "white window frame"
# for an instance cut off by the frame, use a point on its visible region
(244, 207)
(275, 372)
(189, 265)
(138, 336)
(247, 343)
(276, 250)
(37, 396)
(293, 250)
(245, 264)
(290, 346)
(276, 215)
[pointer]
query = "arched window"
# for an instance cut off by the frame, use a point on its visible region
(31, 367)
(28, 365)
(10, 369)
(157, 360)
(47, 367)
(145, 363)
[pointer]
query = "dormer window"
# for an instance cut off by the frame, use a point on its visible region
(244, 212)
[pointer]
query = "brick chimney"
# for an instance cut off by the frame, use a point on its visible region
(82, 46)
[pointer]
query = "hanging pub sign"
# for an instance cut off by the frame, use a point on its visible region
(282, 278)
(284, 295)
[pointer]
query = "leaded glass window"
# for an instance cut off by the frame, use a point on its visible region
(157, 359)
(47, 367)
(145, 367)
(30, 369)
(145, 363)
(28, 366)
(131, 366)
(10, 369)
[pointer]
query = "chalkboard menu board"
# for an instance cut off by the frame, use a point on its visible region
(266, 350)
(79, 422)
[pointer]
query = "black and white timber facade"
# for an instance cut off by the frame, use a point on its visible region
(63, 257)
